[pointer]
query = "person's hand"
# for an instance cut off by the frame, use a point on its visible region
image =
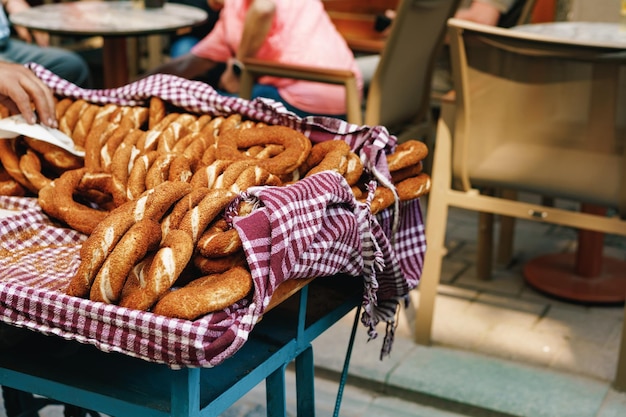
(20, 89)
(229, 81)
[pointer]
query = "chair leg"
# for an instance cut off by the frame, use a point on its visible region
(133, 52)
(507, 231)
(436, 220)
(436, 223)
(484, 262)
(620, 376)
(484, 246)
(484, 242)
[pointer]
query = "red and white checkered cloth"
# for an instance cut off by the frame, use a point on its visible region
(312, 228)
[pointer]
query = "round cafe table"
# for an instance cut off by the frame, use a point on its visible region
(587, 275)
(115, 21)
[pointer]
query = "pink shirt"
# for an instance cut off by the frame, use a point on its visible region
(302, 34)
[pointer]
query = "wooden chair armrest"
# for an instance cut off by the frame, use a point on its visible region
(449, 97)
(259, 67)
(254, 68)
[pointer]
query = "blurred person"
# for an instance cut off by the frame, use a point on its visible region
(181, 43)
(284, 31)
(21, 89)
(19, 45)
(503, 13)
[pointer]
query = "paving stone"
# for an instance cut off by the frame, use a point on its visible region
(521, 344)
(451, 269)
(509, 303)
(587, 358)
(614, 405)
(453, 325)
(500, 283)
(494, 384)
(577, 324)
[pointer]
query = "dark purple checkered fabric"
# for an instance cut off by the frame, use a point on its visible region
(312, 228)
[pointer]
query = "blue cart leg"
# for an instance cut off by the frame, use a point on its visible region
(346, 363)
(305, 383)
(186, 392)
(275, 393)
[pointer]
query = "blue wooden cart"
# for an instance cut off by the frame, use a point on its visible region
(119, 385)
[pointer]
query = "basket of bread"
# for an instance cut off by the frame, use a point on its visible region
(166, 235)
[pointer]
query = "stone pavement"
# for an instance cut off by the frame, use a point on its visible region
(499, 347)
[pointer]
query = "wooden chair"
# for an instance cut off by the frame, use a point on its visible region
(530, 114)
(356, 20)
(399, 95)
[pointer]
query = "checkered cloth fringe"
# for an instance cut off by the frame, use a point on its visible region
(312, 228)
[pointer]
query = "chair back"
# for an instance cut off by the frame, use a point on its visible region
(359, 7)
(539, 115)
(399, 93)
(526, 12)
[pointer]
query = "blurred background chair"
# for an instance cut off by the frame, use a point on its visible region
(399, 95)
(530, 114)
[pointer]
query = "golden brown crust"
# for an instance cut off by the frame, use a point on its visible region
(297, 146)
(11, 163)
(329, 155)
(200, 123)
(231, 173)
(99, 245)
(163, 197)
(30, 164)
(8, 186)
(414, 187)
(205, 295)
(253, 176)
(100, 130)
(57, 157)
(70, 117)
(186, 203)
(140, 238)
(354, 169)
(408, 172)
(83, 125)
(181, 169)
(166, 266)
(207, 176)
(134, 117)
(121, 165)
(57, 200)
(185, 141)
(196, 149)
(199, 217)
(383, 198)
(136, 184)
(61, 106)
(159, 170)
(406, 154)
(111, 143)
(217, 265)
(156, 112)
(219, 240)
